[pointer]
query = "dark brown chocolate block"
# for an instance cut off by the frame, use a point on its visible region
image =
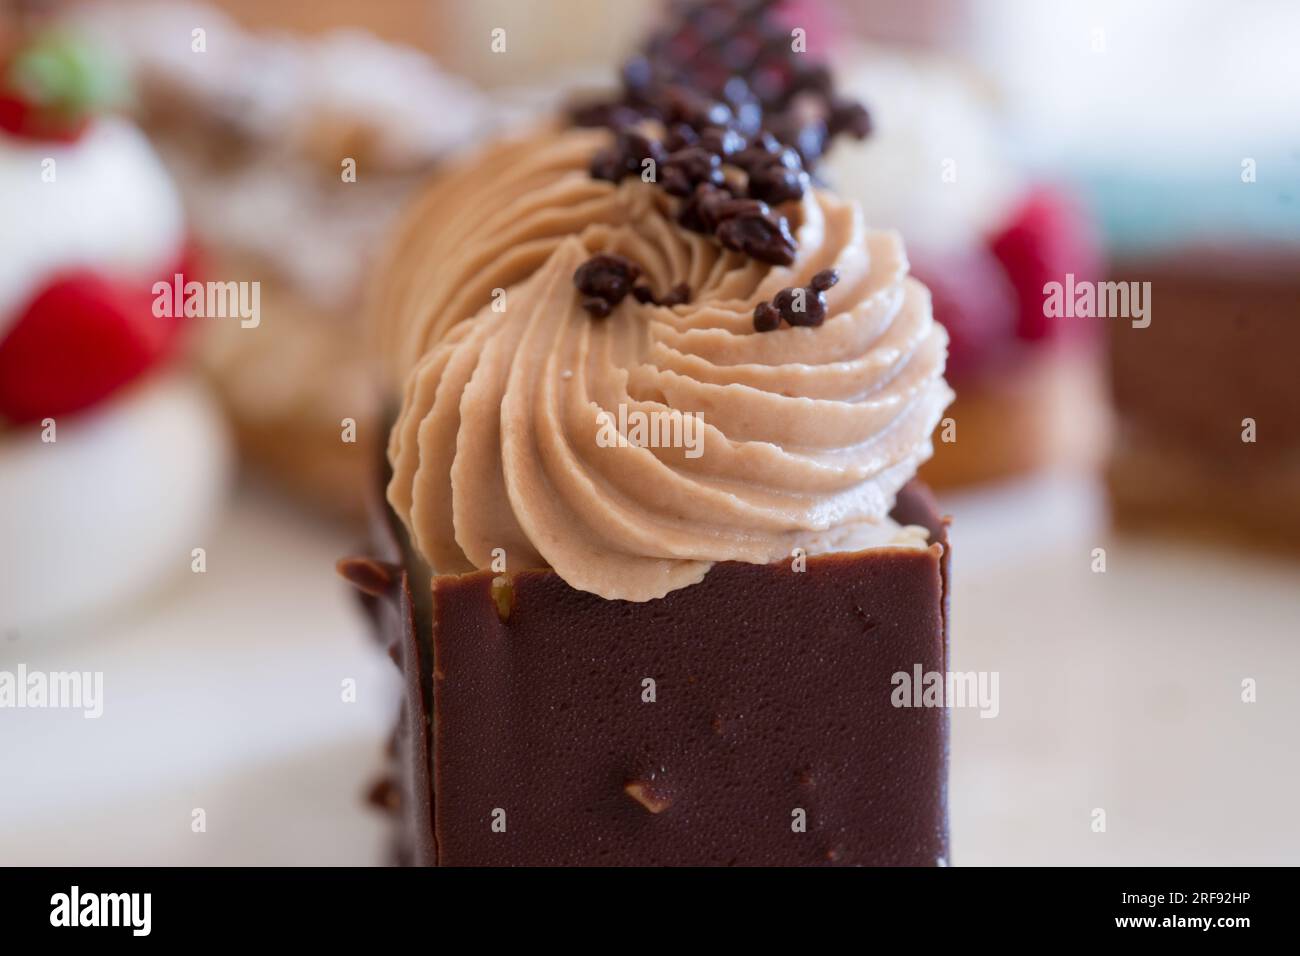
(1221, 347)
(772, 703)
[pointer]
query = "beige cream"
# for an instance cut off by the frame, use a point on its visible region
(505, 382)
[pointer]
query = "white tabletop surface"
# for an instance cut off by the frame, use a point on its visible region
(1119, 691)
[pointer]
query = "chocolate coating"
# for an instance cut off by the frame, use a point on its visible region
(772, 695)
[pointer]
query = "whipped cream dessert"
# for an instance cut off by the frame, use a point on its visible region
(506, 379)
(134, 463)
(657, 402)
(110, 207)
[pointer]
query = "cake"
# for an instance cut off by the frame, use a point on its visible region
(985, 237)
(651, 553)
(1208, 434)
(1207, 438)
(91, 221)
(102, 439)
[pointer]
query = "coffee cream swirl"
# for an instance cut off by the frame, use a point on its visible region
(808, 433)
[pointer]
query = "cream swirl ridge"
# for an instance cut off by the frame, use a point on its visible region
(808, 433)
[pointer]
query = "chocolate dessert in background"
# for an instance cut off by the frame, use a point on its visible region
(627, 652)
(1204, 386)
(1208, 441)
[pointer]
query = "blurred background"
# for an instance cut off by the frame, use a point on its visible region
(174, 492)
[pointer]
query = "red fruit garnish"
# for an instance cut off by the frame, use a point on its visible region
(1049, 236)
(21, 118)
(973, 300)
(82, 338)
(52, 84)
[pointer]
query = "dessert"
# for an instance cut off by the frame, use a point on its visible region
(1208, 433)
(985, 239)
(769, 700)
(88, 394)
(652, 548)
(1207, 441)
(258, 132)
(91, 221)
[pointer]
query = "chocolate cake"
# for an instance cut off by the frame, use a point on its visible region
(1219, 351)
(772, 694)
(659, 401)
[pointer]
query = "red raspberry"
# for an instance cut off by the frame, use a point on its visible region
(973, 300)
(1050, 235)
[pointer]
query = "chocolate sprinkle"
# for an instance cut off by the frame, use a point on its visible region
(725, 83)
(699, 214)
(764, 237)
(607, 165)
(722, 142)
(599, 308)
(807, 310)
(824, 279)
(775, 183)
(691, 167)
(605, 279)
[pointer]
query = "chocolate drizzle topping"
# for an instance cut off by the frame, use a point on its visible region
(744, 117)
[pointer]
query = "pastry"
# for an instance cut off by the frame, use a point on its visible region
(102, 440)
(652, 557)
(1207, 440)
(293, 155)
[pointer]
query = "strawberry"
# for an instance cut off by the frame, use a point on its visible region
(52, 86)
(1050, 235)
(973, 300)
(79, 340)
(20, 117)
